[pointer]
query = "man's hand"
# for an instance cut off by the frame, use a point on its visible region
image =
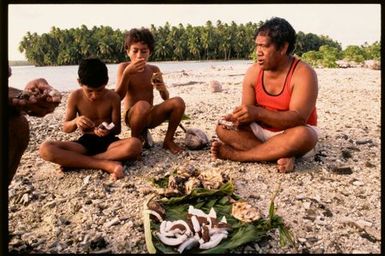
(84, 123)
(135, 66)
(37, 99)
(243, 114)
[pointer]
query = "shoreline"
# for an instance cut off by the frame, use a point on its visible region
(330, 203)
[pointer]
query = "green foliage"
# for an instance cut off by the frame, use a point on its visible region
(372, 51)
(312, 57)
(311, 42)
(354, 53)
(242, 233)
(177, 43)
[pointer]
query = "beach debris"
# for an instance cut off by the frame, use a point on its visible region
(215, 86)
(106, 126)
(147, 139)
(372, 64)
(243, 211)
(200, 229)
(196, 139)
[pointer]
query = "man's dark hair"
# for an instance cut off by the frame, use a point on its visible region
(142, 35)
(280, 31)
(92, 72)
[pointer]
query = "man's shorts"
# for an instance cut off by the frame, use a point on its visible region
(265, 134)
(95, 144)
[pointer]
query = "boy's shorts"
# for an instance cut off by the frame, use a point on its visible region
(95, 144)
(265, 134)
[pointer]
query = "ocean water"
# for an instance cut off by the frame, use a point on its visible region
(64, 78)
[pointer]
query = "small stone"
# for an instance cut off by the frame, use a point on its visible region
(114, 221)
(215, 86)
(358, 183)
(342, 170)
(362, 142)
(86, 180)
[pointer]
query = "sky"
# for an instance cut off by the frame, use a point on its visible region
(349, 24)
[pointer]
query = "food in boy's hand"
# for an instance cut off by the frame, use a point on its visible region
(106, 126)
(156, 77)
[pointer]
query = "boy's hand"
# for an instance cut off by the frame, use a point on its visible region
(84, 123)
(101, 132)
(161, 87)
(135, 66)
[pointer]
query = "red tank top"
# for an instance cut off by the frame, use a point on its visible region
(281, 101)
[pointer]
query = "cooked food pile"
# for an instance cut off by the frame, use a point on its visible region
(200, 230)
(189, 178)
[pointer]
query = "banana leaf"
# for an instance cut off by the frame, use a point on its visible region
(221, 200)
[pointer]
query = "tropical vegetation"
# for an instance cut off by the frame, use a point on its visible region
(219, 41)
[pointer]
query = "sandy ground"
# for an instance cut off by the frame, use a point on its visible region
(331, 203)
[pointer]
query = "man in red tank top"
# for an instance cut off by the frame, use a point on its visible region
(277, 118)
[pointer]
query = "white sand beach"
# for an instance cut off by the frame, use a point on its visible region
(331, 203)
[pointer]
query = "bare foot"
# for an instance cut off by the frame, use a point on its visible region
(286, 164)
(215, 145)
(117, 173)
(220, 150)
(172, 147)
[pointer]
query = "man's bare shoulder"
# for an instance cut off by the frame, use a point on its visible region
(252, 71)
(254, 68)
(304, 67)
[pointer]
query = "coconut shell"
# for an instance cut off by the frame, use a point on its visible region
(196, 139)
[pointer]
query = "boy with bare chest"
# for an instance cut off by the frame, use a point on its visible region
(135, 83)
(95, 110)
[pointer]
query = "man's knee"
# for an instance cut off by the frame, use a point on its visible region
(301, 139)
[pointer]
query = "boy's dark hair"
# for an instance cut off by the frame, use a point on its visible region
(142, 35)
(280, 31)
(93, 72)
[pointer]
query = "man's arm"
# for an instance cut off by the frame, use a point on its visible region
(248, 89)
